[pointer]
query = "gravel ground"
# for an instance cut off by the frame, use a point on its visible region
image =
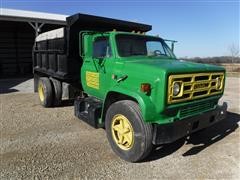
(40, 143)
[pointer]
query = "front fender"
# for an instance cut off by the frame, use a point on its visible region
(147, 107)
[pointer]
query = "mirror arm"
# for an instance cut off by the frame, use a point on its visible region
(172, 43)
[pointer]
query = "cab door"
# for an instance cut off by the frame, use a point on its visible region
(98, 67)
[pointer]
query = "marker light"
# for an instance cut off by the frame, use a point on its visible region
(146, 87)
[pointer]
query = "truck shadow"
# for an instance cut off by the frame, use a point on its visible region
(9, 85)
(67, 102)
(200, 140)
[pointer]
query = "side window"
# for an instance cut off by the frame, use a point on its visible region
(101, 48)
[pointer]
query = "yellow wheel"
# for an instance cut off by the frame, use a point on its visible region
(41, 92)
(122, 132)
(45, 92)
(129, 136)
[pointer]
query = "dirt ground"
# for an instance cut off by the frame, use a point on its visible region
(40, 143)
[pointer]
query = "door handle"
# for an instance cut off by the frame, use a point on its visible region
(122, 78)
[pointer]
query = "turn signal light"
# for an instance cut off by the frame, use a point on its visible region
(146, 87)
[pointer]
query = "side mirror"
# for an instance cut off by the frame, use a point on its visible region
(172, 46)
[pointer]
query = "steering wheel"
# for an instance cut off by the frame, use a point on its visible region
(157, 52)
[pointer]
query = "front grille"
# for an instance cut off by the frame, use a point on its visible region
(194, 86)
(197, 108)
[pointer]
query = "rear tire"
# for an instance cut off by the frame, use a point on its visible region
(45, 92)
(123, 117)
(57, 92)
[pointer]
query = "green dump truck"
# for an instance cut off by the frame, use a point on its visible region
(129, 83)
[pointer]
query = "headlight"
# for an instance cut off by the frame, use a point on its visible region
(176, 88)
(218, 83)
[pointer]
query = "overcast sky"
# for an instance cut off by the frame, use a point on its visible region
(202, 28)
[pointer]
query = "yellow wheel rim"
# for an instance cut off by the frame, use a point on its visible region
(41, 92)
(122, 132)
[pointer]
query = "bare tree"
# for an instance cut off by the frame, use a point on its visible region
(234, 51)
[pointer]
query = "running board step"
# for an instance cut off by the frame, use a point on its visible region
(89, 110)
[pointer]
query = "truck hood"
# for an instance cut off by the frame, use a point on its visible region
(170, 66)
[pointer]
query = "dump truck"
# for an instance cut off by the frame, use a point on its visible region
(127, 82)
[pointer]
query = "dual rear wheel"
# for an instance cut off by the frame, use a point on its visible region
(49, 91)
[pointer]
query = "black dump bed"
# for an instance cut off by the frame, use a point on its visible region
(56, 53)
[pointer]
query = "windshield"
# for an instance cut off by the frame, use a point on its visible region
(137, 45)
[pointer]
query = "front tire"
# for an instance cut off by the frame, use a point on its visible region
(129, 136)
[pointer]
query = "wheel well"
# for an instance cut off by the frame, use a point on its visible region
(113, 97)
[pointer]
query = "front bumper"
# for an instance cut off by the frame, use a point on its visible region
(167, 133)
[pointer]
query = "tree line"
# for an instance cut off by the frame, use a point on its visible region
(214, 60)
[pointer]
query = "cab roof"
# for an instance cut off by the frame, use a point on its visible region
(136, 33)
